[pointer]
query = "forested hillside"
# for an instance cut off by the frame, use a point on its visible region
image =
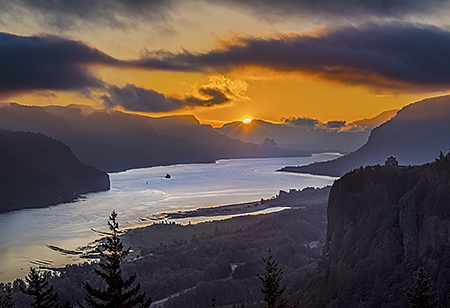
(37, 170)
(221, 258)
(383, 224)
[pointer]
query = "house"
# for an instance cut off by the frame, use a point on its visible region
(391, 162)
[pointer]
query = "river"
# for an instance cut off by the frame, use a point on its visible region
(136, 195)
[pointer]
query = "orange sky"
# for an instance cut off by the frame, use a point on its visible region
(209, 68)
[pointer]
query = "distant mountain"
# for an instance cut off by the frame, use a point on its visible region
(378, 120)
(115, 141)
(304, 134)
(383, 224)
(414, 136)
(38, 171)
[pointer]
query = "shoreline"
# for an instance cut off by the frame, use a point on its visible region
(228, 209)
(291, 198)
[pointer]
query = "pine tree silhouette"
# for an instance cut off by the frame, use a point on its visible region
(119, 292)
(38, 288)
(213, 301)
(421, 294)
(6, 301)
(271, 283)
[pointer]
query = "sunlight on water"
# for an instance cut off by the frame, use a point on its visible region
(137, 194)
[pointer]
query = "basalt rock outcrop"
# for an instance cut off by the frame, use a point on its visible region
(383, 224)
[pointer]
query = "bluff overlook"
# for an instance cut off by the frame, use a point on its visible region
(38, 171)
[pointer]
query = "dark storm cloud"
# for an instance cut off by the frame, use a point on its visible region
(135, 98)
(307, 122)
(396, 56)
(122, 13)
(350, 8)
(335, 124)
(47, 63)
(67, 13)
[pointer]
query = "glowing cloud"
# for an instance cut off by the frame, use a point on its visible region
(219, 91)
(395, 57)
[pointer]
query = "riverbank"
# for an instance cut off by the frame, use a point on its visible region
(291, 198)
(68, 226)
(135, 237)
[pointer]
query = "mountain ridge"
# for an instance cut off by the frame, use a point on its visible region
(413, 136)
(38, 171)
(115, 141)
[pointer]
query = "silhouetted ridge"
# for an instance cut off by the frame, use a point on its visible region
(413, 136)
(115, 141)
(39, 171)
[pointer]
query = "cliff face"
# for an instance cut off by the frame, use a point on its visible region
(37, 171)
(383, 223)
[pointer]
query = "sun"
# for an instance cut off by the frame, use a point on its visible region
(247, 121)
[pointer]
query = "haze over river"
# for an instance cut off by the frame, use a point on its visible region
(136, 195)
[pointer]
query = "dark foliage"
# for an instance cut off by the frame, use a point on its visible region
(195, 259)
(119, 292)
(421, 294)
(271, 280)
(383, 223)
(38, 288)
(213, 301)
(287, 232)
(6, 300)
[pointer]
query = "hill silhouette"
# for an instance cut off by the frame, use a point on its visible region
(383, 224)
(115, 141)
(38, 171)
(413, 136)
(308, 134)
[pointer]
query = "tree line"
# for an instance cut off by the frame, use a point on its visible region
(117, 291)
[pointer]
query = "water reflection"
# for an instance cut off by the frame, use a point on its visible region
(137, 194)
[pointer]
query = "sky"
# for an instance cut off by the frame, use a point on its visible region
(330, 60)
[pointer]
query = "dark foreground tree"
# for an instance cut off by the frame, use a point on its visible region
(271, 283)
(421, 294)
(37, 287)
(119, 292)
(6, 301)
(214, 301)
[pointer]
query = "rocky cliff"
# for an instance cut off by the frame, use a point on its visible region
(383, 223)
(38, 171)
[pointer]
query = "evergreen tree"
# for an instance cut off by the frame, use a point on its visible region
(6, 301)
(213, 301)
(118, 293)
(421, 295)
(271, 283)
(38, 288)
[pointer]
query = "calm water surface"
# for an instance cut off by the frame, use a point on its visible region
(136, 195)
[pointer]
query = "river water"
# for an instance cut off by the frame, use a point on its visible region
(136, 195)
